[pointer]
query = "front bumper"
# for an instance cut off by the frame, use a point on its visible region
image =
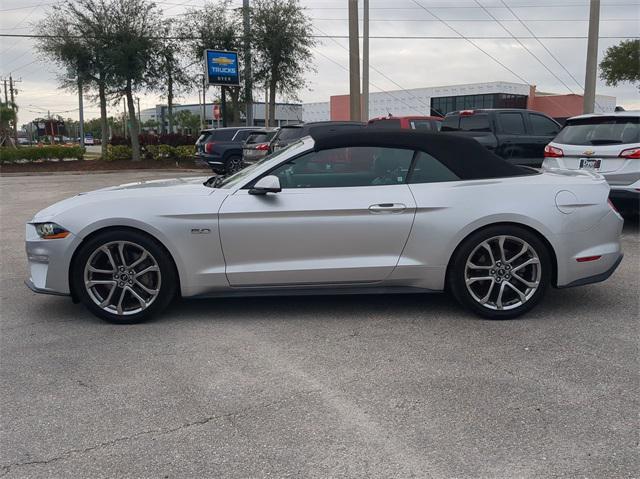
(49, 262)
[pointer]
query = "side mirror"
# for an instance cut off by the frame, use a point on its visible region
(267, 184)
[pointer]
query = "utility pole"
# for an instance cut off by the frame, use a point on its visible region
(204, 101)
(124, 117)
(13, 107)
(248, 80)
(6, 98)
(80, 113)
(592, 58)
(354, 62)
(365, 62)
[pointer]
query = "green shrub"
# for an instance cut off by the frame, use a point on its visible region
(47, 152)
(185, 152)
(166, 152)
(118, 153)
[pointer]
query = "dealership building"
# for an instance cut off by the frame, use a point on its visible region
(441, 100)
(286, 113)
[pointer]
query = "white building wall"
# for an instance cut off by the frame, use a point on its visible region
(319, 111)
(416, 101)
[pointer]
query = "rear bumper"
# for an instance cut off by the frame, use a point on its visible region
(601, 241)
(597, 278)
(214, 162)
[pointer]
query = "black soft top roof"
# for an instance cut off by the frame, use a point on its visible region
(465, 157)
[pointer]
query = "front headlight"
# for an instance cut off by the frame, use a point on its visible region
(51, 231)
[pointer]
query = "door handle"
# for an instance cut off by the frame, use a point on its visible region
(387, 208)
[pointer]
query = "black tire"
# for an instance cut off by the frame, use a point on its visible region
(233, 164)
(458, 274)
(167, 277)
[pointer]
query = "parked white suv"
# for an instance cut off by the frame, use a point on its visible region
(606, 143)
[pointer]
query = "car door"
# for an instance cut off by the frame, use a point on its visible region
(543, 130)
(514, 143)
(343, 217)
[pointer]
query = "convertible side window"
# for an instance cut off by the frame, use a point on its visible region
(427, 169)
(346, 167)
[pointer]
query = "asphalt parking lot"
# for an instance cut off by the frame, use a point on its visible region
(380, 386)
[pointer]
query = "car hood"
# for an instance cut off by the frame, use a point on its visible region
(173, 187)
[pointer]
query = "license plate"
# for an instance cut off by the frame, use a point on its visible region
(590, 164)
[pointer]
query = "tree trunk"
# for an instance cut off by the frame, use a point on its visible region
(133, 122)
(104, 125)
(235, 104)
(272, 102)
(170, 99)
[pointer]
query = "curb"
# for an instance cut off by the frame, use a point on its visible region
(101, 172)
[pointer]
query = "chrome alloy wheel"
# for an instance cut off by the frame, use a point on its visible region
(503, 272)
(122, 278)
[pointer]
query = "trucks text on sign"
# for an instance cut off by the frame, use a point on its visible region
(222, 67)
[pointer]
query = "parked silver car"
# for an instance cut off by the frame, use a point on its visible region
(359, 211)
(605, 143)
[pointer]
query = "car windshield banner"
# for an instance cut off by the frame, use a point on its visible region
(222, 67)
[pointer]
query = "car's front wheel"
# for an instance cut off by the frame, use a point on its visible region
(123, 276)
(500, 272)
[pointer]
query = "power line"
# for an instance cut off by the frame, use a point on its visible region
(543, 45)
(376, 37)
(525, 47)
(471, 7)
(372, 84)
(426, 20)
(383, 75)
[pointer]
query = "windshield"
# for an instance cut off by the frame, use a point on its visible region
(231, 181)
(600, 131)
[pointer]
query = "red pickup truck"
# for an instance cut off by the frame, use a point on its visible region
(428, 123)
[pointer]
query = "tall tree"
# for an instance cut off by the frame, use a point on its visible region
(282, 42)
(215, 26)
(74, 35)
(7, 119)
(169, 75)
(130, 48)
(621, 63)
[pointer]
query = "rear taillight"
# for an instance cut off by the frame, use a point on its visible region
(553, 152)
(467, 112)
(263, 147)
(208, 147)
(631, 153)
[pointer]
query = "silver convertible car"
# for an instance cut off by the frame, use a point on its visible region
(368, 211)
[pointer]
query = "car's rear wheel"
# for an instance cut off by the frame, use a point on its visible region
(124, 276)
(233, 164)
(500, 272)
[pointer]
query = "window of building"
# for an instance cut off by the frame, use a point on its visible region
(512, 123)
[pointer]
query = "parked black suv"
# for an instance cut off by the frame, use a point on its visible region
(287, 134)
(518, 136)
(221, 148)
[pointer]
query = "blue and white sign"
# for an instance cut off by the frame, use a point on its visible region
(222, 67)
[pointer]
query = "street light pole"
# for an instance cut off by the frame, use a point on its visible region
(80, 113)
(247, 63)
(354, 62)
(592, 58)
(365, 62)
